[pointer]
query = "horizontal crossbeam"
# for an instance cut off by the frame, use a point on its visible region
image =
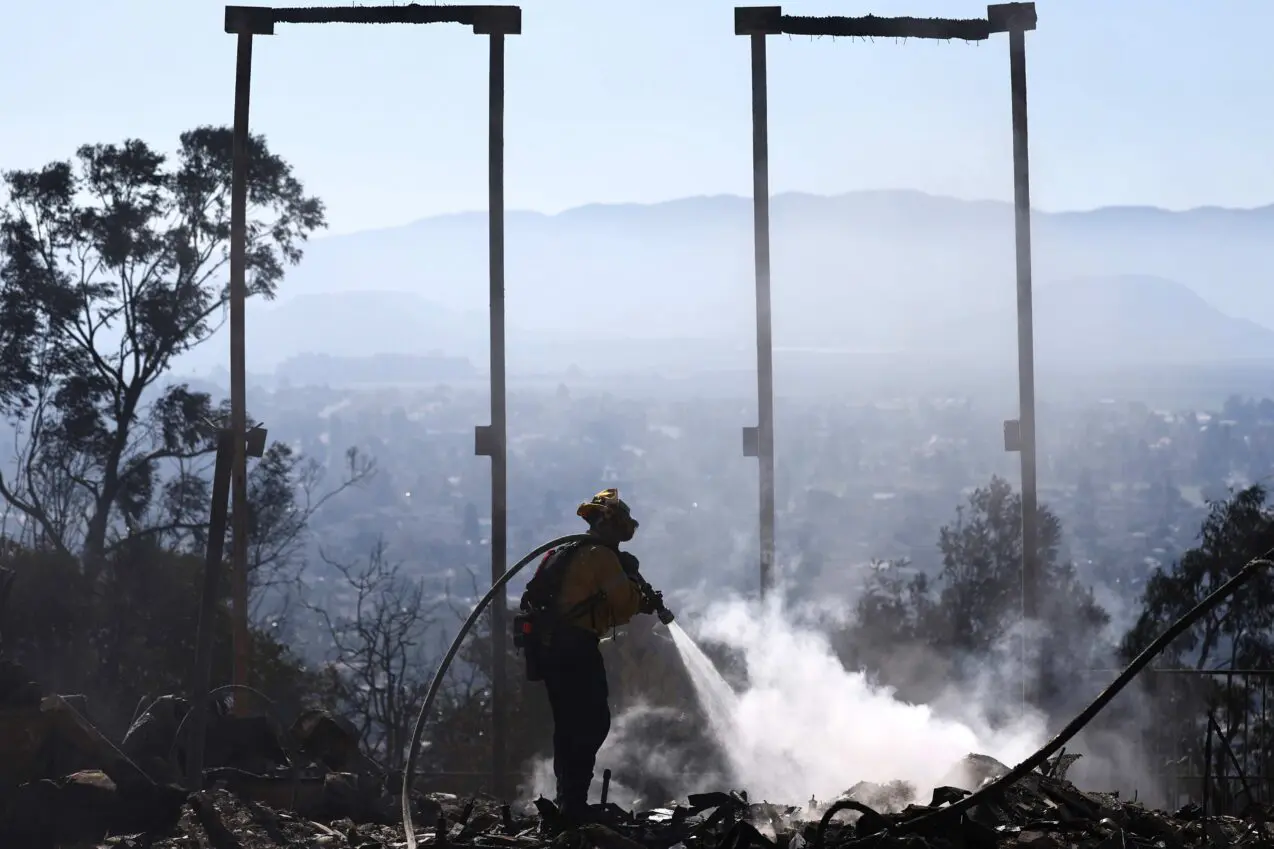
(770, 20)
(485, 20)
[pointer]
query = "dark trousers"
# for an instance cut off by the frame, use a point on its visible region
(575, 677)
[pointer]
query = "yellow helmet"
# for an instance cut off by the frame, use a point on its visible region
(606, 505)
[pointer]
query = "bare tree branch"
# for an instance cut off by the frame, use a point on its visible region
(378, 623)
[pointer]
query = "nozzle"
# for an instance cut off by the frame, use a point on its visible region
(657, 601)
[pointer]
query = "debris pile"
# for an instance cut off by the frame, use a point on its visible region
(1041, 812)
(64, 782)
(220, 819)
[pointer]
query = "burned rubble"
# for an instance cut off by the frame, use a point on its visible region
(1040, 812)
(62, 781)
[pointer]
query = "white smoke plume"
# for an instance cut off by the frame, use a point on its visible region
(805, 725)
(802, 725)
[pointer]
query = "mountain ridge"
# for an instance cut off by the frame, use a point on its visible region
(864, 270)
(728, 196)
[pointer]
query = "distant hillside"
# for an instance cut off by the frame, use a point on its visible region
(1142, 319)
(1124, 320)
(872, 271)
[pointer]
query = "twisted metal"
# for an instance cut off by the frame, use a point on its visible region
(285, 736)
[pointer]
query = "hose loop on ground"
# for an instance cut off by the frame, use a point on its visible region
(436, 682)
(873, 818)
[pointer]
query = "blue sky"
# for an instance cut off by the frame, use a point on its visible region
(1158, 102)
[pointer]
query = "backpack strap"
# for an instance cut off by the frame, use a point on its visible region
(543, 589)
(546, 584)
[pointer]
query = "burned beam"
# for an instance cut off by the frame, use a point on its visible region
(485, 20)
(770, 20)
(249, 20)
(870, 26)
(1012, 17)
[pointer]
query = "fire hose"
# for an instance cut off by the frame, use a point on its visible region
(436, 682)
(1017, 773)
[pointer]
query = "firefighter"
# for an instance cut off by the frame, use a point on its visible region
(583, 592)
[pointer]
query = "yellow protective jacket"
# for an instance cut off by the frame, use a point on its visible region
(595, 569)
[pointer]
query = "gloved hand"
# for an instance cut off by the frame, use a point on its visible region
(629, 562)
(650, 602)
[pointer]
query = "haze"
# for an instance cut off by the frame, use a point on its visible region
(631, 314)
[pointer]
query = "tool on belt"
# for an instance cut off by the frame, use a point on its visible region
(533, 629)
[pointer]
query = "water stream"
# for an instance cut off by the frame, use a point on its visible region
(719, 701)
(807, 725)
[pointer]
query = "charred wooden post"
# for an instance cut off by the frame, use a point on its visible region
(1017, 19)
(227, 451)
(493, 21)
(758, 441)
(244, 23)
(208, 608)
(492, 441)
